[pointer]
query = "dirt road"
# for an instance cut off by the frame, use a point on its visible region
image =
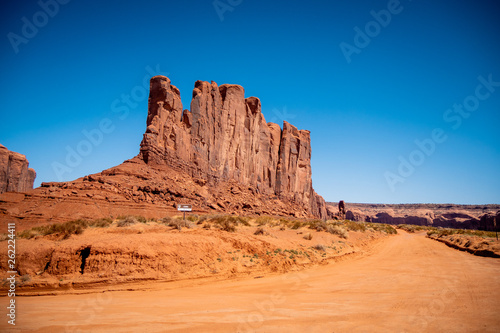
(407, 283)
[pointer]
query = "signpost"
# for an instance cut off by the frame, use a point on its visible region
(184, 209)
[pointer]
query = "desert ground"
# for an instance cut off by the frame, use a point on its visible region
(400, 283)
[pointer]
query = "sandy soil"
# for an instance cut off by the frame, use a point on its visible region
(406, 283)
(147, 252)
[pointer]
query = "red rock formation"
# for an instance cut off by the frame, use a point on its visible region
(221, 156)
(226, 137)
(15, 176)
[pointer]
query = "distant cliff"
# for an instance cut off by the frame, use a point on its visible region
(15, 174)
(481, 217)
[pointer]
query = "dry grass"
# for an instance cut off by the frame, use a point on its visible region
(319, 247)
(127, 221)
(65, 230)
(337, 230)
(355, 226)
(228, 222)
(264, 220)
(440, 232)
(179, 224)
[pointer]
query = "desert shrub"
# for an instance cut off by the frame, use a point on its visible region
(337, 230)
(25, 278)
(243, 220)
(141, 219)
(319, 247)
(227, 225)
(202, 219)
(286, 221)
(28, 234)
(440, 232)
(193, 218)
(263, 220)
(388, 229)
(261, 231)
(406, 227)
(66, 229)
(334, 222)
(179, 224)
(355, 226)
(101, 223)
(126, 221)
(228, 222)
(296, 225)
(308, 236)
(166, 220)
(318, 225)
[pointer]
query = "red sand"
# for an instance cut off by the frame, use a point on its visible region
(406, 283)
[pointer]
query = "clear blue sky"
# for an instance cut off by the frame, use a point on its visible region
(364, 114)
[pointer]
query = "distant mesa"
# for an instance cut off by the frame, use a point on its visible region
(221, 155)
(15, 173)
(482, 217)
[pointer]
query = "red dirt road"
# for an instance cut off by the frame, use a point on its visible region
(407, 283)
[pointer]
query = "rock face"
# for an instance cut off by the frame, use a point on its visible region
(15, 175)
(226, 137)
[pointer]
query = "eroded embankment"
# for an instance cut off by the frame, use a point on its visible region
(479, 246)
(111, 256)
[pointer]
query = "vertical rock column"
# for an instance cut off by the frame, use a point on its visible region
(15, 174)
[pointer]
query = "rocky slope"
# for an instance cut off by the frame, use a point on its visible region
(480, 217)
(15, 174)
(220, 156)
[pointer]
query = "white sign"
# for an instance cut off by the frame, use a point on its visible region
(184, 208)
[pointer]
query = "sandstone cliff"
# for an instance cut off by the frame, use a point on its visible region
(222, 156)
(226, 137)
(15, 175)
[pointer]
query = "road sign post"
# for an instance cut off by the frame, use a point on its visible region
(184, 209)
